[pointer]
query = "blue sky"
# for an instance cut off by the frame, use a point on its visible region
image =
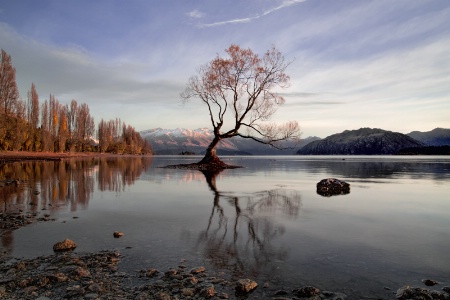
(382, 63)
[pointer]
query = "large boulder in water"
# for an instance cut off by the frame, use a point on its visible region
(332, 186)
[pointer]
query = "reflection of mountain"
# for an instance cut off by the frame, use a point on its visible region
(38, 185)
(175, 141)
(356, 166)
(240, 234)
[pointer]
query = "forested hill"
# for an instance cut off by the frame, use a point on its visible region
(364, 141)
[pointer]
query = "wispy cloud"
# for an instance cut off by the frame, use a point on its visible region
(284, 4)
(195, 14)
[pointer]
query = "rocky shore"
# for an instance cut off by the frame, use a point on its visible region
(71, 275)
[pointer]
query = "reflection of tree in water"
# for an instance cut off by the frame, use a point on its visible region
(244, 240)
(46, 186)
(114, 174)
(37, 185)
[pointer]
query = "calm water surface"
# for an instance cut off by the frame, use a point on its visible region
(263, 221)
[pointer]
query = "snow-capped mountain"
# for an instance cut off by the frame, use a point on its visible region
(175, 141)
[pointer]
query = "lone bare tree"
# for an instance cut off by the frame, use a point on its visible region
(239, 91)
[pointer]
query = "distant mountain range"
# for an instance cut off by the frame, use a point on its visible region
(364, 141)
(360, 141)
(435, 137)
(176, 141)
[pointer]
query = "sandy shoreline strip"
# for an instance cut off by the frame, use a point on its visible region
(11, 156)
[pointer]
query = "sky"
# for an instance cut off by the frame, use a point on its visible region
(380, 64)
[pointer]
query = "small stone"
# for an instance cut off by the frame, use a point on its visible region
(95, 287)
(190, 281)
(151, 273)
(446, 289)
(245, 285)
(281, 293)
(118, 234)
(162, 296)
(208, 291)
(188, 292)
(307, 291)
(61, 277)
(429, 282)
(75, 290)
(82, 272)
(65, 245)
(223, 296)
(198, 270)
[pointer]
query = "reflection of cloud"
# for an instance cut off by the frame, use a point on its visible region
(284, 4)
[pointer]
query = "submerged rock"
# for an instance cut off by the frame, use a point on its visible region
(332, 186)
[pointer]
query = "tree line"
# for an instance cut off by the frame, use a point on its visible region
(54, 127)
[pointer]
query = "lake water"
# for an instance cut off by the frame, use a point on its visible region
(264, 221)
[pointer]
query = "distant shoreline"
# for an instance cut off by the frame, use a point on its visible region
(11, 156)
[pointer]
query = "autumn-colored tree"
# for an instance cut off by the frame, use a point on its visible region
(70, 127)
(63, 132)
(104, 135)
(9, 95)
(85, 128)
(239, 90)
(33, 119)
(9, 92)
(20, 132)
(71, 111)
(46, 139)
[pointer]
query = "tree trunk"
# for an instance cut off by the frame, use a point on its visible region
(210, 155)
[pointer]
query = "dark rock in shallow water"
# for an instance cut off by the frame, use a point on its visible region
(429, 282)
(117, 234)
(332, 186)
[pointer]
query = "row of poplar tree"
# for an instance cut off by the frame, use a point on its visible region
(52, 126)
